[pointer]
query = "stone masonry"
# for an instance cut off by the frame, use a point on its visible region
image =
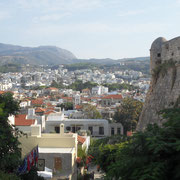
(164, 91)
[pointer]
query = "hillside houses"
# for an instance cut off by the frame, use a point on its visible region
(57, 120)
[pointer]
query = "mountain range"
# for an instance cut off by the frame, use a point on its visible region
(47, 55)
(42, 55)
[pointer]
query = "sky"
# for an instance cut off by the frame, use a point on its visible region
(90, 28)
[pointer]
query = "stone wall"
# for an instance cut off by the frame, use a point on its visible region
(164, 90)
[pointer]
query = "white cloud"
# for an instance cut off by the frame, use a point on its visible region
(57, 5)
(50, 17)
(95, 28)
(131, 13)
(4, 15)
(53, 10)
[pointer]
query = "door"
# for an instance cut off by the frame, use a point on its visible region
(57, 164)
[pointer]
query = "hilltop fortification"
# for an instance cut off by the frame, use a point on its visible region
(164, 91)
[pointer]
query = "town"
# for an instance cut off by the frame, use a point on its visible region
(60, 102)
(89, 90)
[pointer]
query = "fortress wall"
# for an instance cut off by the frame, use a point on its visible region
(171, 50)
(164, 89)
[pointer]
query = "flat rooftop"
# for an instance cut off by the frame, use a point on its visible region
(55, 150)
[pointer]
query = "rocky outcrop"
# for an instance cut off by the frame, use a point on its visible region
(164, 91)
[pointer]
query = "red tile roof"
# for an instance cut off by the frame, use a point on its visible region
(49, 104)
(85, 99)
(80, 139)
(37, 101)
(52, 89)
(49, 112)
(86, 90)
(20, 120)
(129, 133)
(68, 98)
(95, 98)
(2, 92)
(78, 107)
(116, 96)
(40, 110)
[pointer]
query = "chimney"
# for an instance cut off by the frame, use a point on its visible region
(36, 130)
(61, 129)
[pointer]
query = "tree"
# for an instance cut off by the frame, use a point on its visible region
(83, 155)
(8, 176)
(117, 86)
(57, 85)
(149, 155)
(128, 114)
(10, 153)
(66, 106)
(23, 82)
(79, 85)
(32, 174)
(91, 112)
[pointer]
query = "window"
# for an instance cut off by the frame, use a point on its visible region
(118, 130)
(112, 131)
(159, 55)
(57, 129)
(101, 130)
(73, 129)
(68, 128)
(172, 54)
(78, 128)
(90, 128)
(57, 164)
(41, 164)
(167, 46)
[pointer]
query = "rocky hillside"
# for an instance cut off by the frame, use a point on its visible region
(42, 55)
(164, 91)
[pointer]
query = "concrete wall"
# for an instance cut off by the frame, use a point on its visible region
(11, 119)
(115, 126)
(86, 144)
(25, 129)
(47, 140)
(68, 163)
(84, 124)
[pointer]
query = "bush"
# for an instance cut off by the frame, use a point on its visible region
(150, 155)
(8, 176)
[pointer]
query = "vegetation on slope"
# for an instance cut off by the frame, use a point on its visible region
(79, 85)
(79, 66)
(117, 86)
(10, 153)
(150, 155)
(128, 113)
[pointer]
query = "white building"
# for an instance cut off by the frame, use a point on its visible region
(97, 127)
(77, 99)
(98, 90)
